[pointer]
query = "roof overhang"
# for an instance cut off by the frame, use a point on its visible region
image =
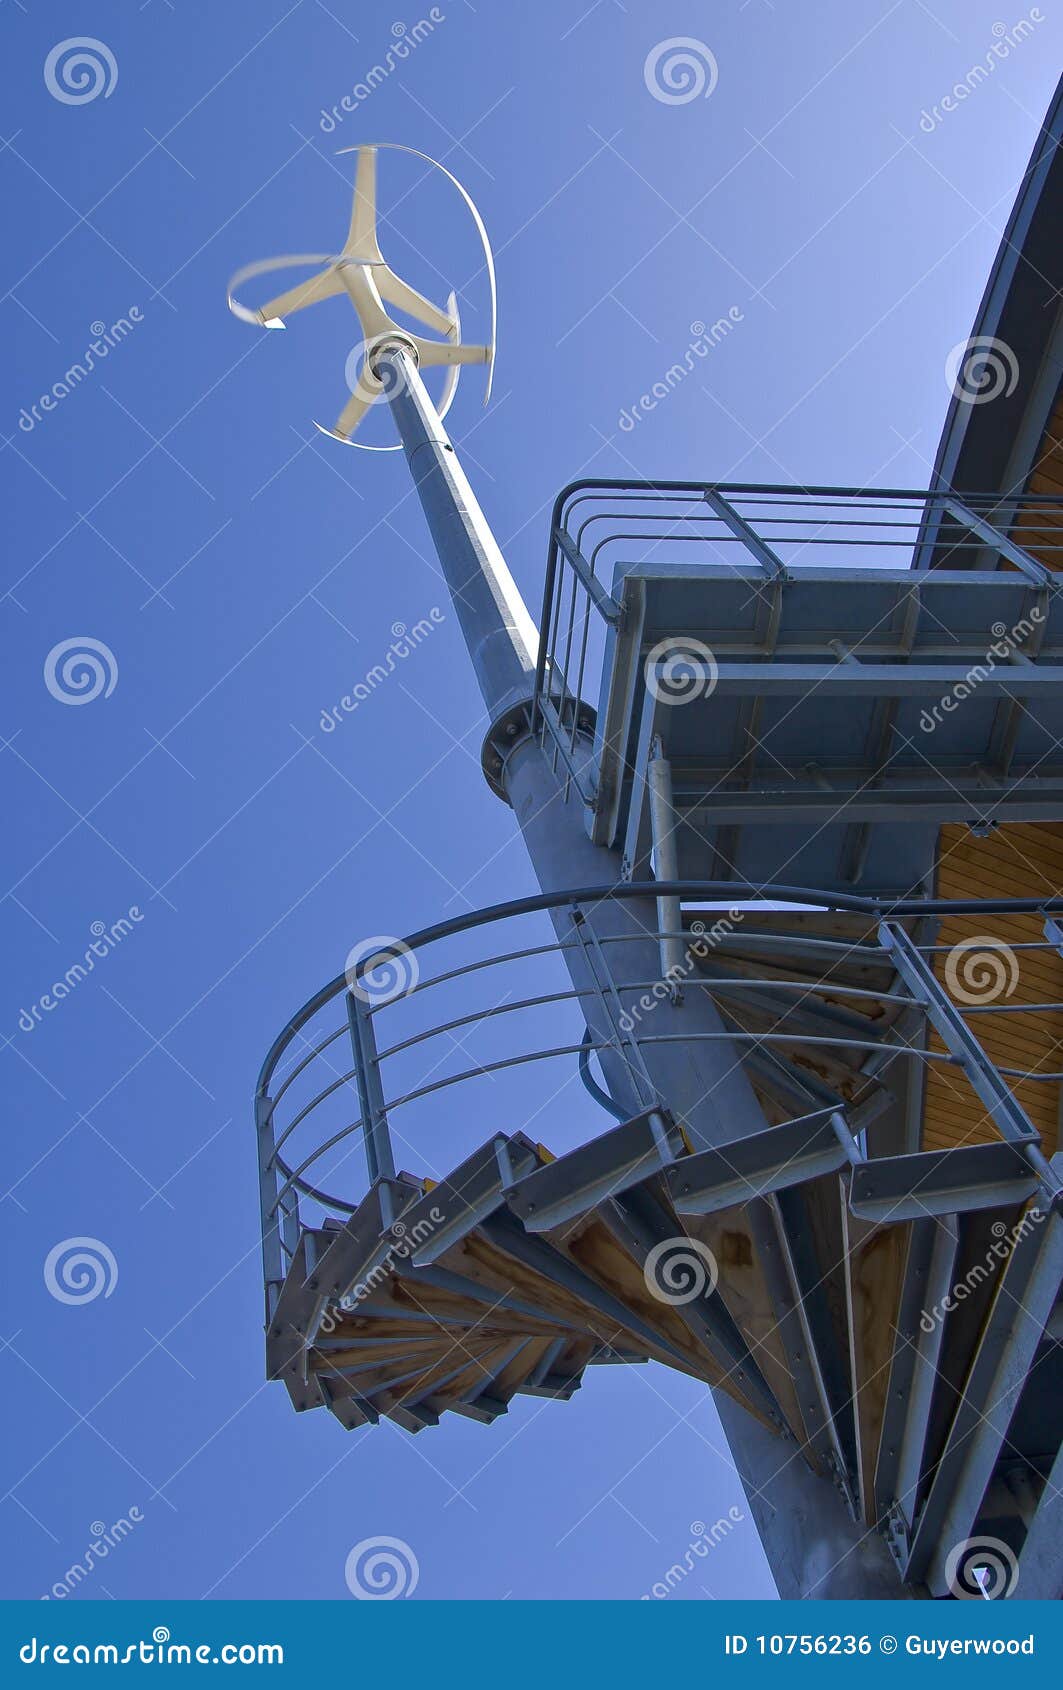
(992, 447)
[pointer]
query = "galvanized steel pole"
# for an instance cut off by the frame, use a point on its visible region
(704, 1084)
(814, 1549)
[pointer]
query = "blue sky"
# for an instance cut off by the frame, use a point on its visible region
(243, 572)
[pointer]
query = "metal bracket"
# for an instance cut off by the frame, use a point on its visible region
(613, 1162)
(941, 1182)
(757, 1165)
(466, 1197)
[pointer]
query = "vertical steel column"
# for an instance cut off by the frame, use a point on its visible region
(663, 823)
(813, 1547)
(704, 1085)
(375, 1134)
(273, 1219)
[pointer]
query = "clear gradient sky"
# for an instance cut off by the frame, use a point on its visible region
(178, 507)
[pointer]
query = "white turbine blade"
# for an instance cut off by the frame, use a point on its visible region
(322, 286)
(262, 267)
(445, 352)
(489, 261)
(407, 299)
(361, 237)
(356, 407)
(453, 375)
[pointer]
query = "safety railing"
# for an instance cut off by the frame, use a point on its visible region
(774, 530)
(345, 1066)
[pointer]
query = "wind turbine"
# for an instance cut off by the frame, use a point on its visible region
(361, 272)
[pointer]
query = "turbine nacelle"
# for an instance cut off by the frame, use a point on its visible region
(362, 273)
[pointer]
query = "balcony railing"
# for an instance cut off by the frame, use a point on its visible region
(773, 531)
(347, 1065)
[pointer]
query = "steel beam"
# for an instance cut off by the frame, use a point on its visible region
(872, 680)
(1041, 1556)
(1009, 1117)
(929, 1276)
(941, 1182)
(1000, 543)
(604, 1167)
(663, 825)
(1028, 1290)
(769, 561)
(640, 1222)
(756, 1166)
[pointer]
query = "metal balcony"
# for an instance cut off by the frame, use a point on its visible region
(779, 673)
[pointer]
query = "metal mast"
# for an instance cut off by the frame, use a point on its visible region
(812, 1547)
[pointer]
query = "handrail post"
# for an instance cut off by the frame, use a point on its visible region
(273, 1271)
(766, 556)
(1000, 543)
(663, 825)
(375, 1133)
(1004, 1108)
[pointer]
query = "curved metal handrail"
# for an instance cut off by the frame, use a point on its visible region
(729, 893)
